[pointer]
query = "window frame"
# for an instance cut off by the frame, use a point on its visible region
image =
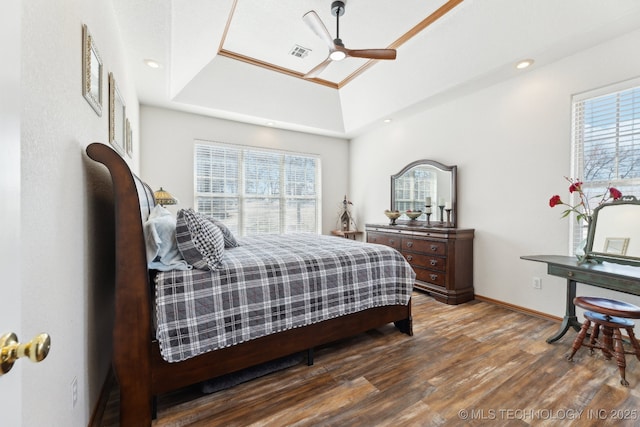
(578, 229)
(243, 198)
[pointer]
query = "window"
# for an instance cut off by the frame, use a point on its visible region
(258, 191)
(606, 142)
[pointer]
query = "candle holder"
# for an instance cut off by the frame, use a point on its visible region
(427, 212)
(448, 217)
(441, 213)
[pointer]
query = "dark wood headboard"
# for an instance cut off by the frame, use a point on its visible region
(145, 196)
(132, 325)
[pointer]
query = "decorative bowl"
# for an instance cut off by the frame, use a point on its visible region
(392, 215)
(413, 214)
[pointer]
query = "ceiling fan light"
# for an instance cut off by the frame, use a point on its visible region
(337, 55)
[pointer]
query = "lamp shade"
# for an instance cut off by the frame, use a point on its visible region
(163, 197)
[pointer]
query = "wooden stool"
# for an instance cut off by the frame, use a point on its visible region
(608, 317)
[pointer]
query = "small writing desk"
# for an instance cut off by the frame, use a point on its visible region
(622, 278)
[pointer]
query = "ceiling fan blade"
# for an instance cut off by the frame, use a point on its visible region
(318, 69)
(371, 53)
(314, 22)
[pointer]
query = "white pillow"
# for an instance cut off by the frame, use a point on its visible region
(160, 239)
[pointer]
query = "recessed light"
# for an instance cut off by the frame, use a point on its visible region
(387, 120)
(152, 63)
(270, 124)
(524, 64)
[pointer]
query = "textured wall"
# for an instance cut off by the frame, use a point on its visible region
(66, 259)
(167, 145)
(512, 145)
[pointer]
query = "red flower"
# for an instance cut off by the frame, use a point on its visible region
(576, 186)
(581, 209)
(555, 200)
(615, 193)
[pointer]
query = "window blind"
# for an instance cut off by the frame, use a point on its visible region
(258, 191)
(606, 143)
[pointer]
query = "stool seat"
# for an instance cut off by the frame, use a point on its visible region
(608, 306)
(610, 321)
(608, 317)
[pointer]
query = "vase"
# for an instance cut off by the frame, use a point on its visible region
(581, 248)
(580, 251)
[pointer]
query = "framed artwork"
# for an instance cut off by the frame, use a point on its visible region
(616, 245)
(129, 141)
(91, 72)
(117, 127)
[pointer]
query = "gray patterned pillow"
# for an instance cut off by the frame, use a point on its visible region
(201, 243)
(229, 239)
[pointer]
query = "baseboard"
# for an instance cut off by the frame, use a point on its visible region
(97, 415)
(518, 308)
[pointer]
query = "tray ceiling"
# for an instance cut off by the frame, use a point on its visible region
(231, 58)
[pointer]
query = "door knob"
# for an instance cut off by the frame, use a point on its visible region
(11, 350)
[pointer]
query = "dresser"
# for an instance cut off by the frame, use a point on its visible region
(441, 257)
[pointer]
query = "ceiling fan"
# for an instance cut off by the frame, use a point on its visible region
(337, 51)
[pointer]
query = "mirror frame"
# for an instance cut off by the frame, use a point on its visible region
(592, 255)
(454, 179)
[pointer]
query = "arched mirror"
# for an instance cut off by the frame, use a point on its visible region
(422, 183)
(614, 234)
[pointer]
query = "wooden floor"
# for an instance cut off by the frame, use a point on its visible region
(471, 364)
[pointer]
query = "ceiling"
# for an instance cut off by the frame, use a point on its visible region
(232, 58)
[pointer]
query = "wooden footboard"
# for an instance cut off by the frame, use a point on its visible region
(138, 365)
(169, 376)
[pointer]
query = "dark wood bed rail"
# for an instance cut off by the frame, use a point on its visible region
(141, 371)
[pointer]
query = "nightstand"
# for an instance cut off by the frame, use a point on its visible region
(352, 234)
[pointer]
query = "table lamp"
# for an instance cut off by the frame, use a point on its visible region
(163, 197)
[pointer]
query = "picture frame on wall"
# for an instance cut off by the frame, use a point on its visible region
(117, 114)
(129, 140)
(91, 72)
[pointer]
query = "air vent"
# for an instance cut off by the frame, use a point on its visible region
(299, 51)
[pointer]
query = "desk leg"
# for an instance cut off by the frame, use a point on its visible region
(570, 319)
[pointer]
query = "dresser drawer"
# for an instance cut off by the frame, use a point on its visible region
(430, 276)
(441, 257)
(384, 239)
(426, 261)
(432, 247)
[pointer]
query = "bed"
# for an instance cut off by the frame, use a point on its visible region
(146, 365)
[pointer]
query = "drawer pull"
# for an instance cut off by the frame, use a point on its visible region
(433, 276)
(434, 262)
(409, 244)
(434, 248)
(570, 274)
(409, 258)
(392, 241)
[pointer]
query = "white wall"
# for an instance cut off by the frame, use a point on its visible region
(67, 244)
(511, 143)
(10, 312)
(167, 140)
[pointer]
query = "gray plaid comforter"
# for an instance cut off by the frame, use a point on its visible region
(273, 283)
